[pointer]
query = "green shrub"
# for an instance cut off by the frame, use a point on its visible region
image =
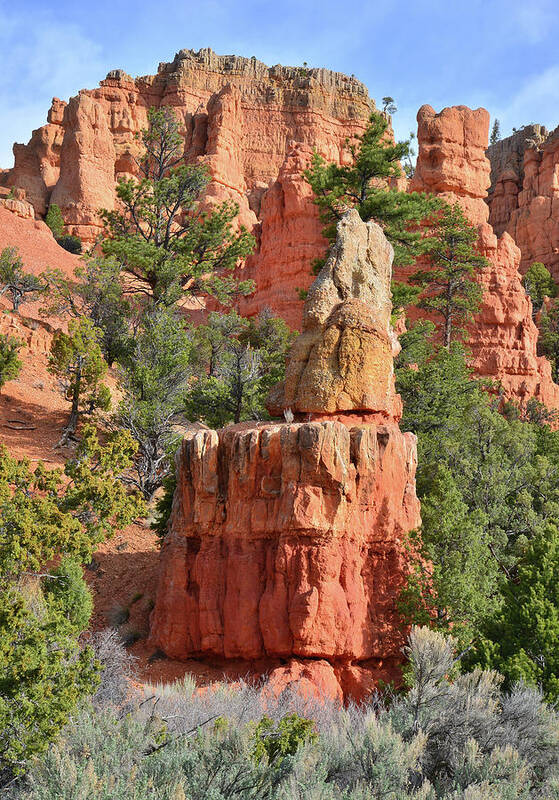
(164, 504)
(70, 243)
(10, 364)
(55, 221)
(458, 738)
(275, 741)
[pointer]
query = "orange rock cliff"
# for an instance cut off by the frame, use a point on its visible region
(286, 538)
(254, 127)
(503, 337)
(523, 196)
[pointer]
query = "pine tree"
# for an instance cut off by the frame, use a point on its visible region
(236, 361)
(76, 360)
(167, 246)
(50, 522)
(22, 286)
(538, 284)
(10, 364)
(388, 105)
(366, 185)
(548, 342)
(154, 376)
(487, 485)
(95, 292)
(495, 132)
(521, 642)
(449, 287)
(55, 221)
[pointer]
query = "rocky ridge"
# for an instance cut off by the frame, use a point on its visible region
(524, 194)
(253, 126)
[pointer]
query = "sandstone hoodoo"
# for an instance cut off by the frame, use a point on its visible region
(253, 126)
(503, 337)
(343, 360)
(285, 544)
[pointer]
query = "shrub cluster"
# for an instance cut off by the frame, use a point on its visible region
(453, 737)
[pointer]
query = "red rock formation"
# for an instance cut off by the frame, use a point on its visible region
(34, 241)
(86, 166)
(524, 194)
(254, 127)
(503, 337)
(507, 173)
(451, 160)
(290, 239)
(285, 541)
(39, 251)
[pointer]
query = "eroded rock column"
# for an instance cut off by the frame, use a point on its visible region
(286, 539)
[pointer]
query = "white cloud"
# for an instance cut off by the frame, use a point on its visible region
(534, 21)
(45, 57)
(537, 101)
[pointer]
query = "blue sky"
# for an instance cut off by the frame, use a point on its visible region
(501, 54)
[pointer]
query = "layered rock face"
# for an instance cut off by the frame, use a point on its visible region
(290, 238)
(507, 173)
(253, 126)
(285, 540)
(524, 199)
(503, 336)
(451, 159)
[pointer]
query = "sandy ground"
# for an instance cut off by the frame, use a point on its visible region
(123, 573)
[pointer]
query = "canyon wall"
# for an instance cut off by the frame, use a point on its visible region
(285, 543)
(503, 336)
(253, 126)
(524, 195)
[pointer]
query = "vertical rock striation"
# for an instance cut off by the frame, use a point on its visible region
(503, 337)
(285, 542)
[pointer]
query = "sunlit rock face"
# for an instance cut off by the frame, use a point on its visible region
(503, 338)
(253, 126)
(286, 541)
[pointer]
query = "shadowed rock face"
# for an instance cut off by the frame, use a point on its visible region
(286, 540)
(525, 186)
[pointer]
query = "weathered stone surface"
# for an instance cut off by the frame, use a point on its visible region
(342, 362)
(286, 539)
(507, 173)
(86, 165)
(16, 202)
(525, 199)
(290, 238)
(37, 164)
(451, 160)
(503, 336)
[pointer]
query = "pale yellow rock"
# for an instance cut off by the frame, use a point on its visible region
(342, 361)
